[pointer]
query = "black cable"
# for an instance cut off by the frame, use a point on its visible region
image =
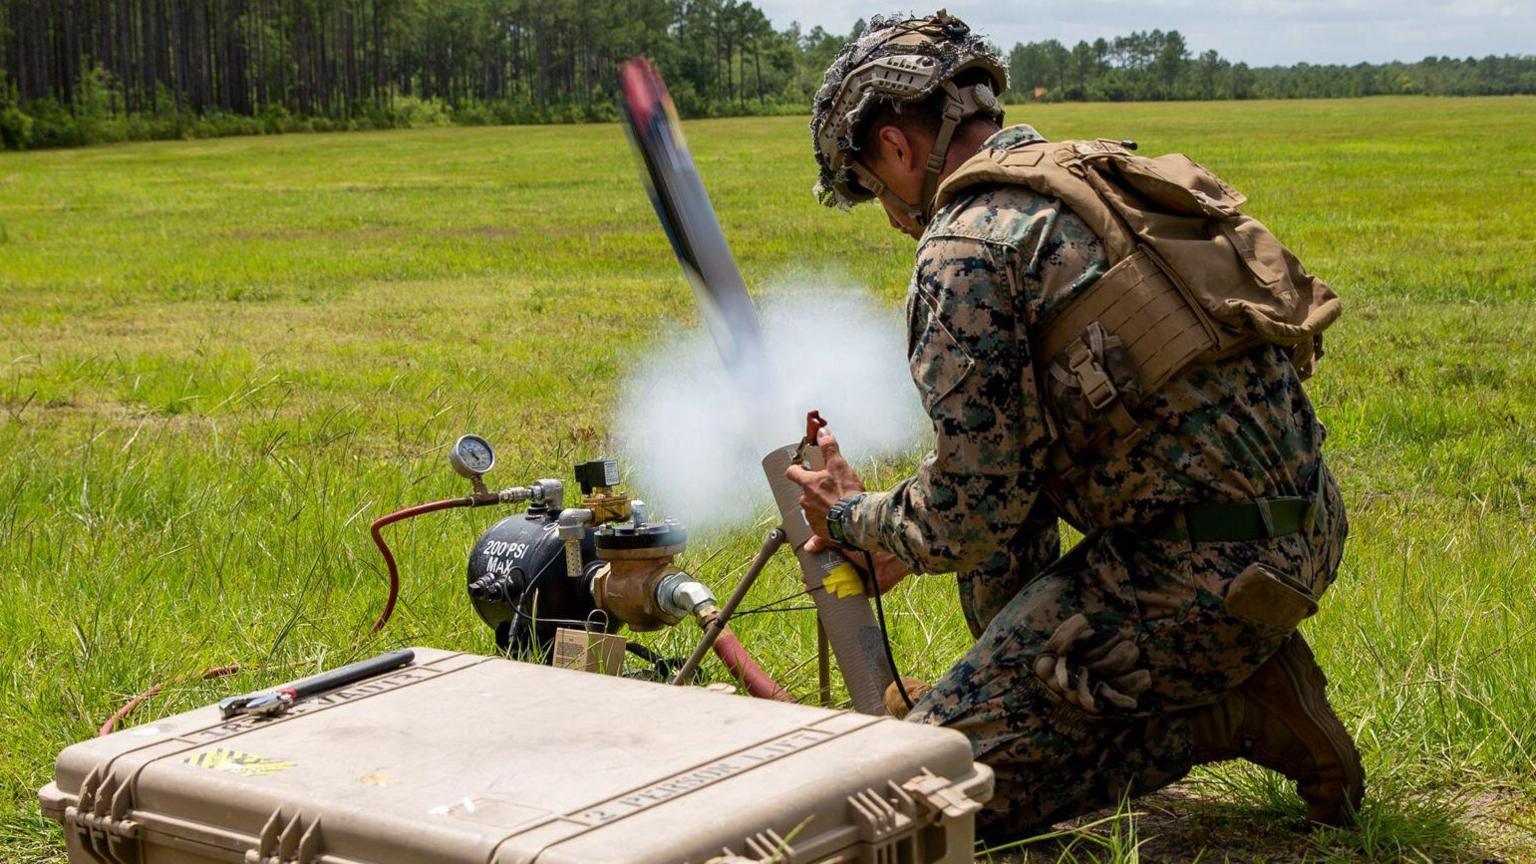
(785, 599)
(890, 656)
(806, 608)
(664, 666)
(520, 611)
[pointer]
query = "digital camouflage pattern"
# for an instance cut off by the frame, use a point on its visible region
(989, 267)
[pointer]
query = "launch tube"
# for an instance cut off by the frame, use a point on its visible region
(849, 621)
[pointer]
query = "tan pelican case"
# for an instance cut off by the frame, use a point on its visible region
(459, 758)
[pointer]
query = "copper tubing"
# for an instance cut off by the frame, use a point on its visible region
(741, 664)
(135, 702)
(713, 629)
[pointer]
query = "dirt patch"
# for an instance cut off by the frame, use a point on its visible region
(1183, 825)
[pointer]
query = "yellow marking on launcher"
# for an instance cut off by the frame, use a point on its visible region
(843, 581)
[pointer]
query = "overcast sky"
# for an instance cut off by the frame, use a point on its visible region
(1259, 32)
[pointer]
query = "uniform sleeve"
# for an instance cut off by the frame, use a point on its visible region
(970, 358)
(972, 371)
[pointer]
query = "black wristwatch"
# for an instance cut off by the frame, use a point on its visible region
(837, 520)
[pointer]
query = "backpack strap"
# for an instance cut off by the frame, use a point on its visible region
(1169, 331)
(1048, 169)
(1153, 322)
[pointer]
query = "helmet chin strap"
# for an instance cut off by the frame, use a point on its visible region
(955, 110)
(869, 181)
(958, 105)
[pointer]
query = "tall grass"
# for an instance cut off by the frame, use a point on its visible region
(219, 360)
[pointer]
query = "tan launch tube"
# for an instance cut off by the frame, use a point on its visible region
(850, 622)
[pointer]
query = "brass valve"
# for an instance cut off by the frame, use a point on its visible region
(639, 583)
(625, 587)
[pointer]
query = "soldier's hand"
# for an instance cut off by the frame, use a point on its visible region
(819, 490)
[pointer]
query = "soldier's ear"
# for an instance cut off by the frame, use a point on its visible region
(896, 150)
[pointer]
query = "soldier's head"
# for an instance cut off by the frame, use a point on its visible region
(892, 103)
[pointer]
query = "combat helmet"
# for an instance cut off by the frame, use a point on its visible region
(900, 61)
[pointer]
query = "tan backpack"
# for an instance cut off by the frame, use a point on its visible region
(1191, 280)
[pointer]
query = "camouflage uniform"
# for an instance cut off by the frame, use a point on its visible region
(989, 266)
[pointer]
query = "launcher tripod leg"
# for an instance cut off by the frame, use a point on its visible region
(771, 544)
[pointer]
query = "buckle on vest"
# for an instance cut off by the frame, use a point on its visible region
(1098, 391)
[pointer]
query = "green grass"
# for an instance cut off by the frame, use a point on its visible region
(219, 360)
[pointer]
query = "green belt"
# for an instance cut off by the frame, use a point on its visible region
(1253, 520)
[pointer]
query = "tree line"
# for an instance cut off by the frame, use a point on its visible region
(1153, 65)
(80, 71)
(74, 71)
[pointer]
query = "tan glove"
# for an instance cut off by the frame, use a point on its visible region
(1088, 675)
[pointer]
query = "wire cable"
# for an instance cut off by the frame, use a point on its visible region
(890, 656)
(769, 606)
(662, 666)
(806, 608)
(132, 705)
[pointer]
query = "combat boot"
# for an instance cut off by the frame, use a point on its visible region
(895, 705)
(1280, 718)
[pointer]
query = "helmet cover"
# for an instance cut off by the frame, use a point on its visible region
(899, 61)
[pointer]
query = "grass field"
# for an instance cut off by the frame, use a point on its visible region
(219, 360)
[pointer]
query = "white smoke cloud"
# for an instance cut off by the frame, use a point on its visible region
(695, 442)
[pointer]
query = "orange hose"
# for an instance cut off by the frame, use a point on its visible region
(389, 558)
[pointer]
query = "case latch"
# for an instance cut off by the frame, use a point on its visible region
(100, 819)
(940, 794)
(286, 840)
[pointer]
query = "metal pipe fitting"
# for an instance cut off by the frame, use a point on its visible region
(680, 595)
(549, 492)
(514, 495)
(573, 522)
(716, 625)
(571, 526)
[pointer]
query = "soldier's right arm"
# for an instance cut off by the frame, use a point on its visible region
(970, 361)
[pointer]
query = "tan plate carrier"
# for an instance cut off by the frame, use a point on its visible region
(1191, 279)
(460, 758)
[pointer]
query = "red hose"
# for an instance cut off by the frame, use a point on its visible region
(735, 657)
(389, 558)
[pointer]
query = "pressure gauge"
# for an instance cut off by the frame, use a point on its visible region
(472, 456)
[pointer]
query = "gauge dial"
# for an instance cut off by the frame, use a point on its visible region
(472, 456)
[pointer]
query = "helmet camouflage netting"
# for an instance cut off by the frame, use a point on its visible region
(898, 60)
